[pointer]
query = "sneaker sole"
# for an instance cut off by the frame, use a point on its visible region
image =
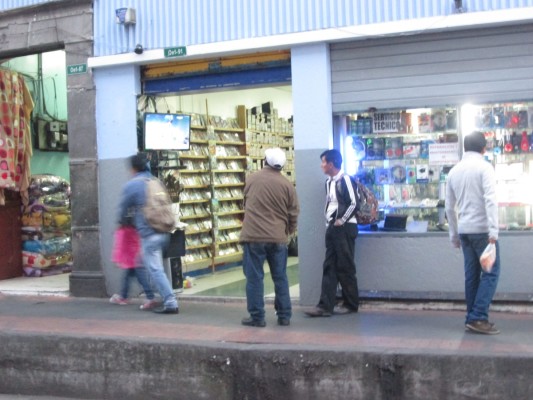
(475, 330)
(118, 304)
(149, 306)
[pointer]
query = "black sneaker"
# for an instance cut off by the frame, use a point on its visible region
(166, 310)
(258, 323)
(284, 321)
(483, 327)
(317, 312)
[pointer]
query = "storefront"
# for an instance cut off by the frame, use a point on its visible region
(235, 107)
(402, 107)
(238, 106)
(64, 27)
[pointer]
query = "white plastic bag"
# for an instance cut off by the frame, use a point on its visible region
(488, 257)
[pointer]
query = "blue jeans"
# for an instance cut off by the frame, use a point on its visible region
(254, 258)
(480, 286)
(142, 277)
(152, 247)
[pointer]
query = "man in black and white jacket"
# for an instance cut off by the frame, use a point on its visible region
(341, 232)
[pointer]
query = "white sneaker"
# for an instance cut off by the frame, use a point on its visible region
(116, 299)
(149, 304)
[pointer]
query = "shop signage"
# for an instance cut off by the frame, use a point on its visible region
(443, 153)
(76, 69)
(386, 122)
(175, 51)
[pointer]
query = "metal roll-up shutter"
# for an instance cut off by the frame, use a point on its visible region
(425, 70)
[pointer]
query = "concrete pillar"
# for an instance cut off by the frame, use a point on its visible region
(116, 116)
(313, 126)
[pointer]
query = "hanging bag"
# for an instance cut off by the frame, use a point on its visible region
(126, 247)
(488, 257)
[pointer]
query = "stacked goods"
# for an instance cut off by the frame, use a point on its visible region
(46, 246)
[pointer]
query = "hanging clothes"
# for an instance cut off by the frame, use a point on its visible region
(16, 106)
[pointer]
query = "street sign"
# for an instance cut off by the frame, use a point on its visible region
(76, 69)
(175, 51)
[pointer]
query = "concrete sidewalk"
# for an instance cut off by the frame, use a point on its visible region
(89, 348)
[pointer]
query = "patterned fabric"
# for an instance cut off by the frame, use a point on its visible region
(16, 106)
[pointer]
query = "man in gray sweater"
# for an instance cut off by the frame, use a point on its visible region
(270, 216)
(472, 211)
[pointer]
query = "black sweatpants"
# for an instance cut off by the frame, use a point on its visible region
(339, 267)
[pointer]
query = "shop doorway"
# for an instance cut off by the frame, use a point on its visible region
(230, 130)
(41, 258)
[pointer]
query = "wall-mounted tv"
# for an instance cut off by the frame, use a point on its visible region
(167, 131)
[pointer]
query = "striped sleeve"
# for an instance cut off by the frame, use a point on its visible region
(350, 210)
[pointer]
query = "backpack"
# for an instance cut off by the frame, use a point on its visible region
(158, 207)
(367, 208)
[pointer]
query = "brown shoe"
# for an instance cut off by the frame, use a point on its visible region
(317, 312)
(483, 327)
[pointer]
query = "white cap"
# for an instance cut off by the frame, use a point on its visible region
(275, 157)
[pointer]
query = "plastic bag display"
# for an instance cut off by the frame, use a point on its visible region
(47, 184)
(46, 222)
(49, 247)
(488, 257)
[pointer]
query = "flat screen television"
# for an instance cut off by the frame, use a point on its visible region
(167, 131)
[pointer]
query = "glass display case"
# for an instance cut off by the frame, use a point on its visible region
(508, 128)
(404, 157)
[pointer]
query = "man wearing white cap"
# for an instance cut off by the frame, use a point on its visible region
(270, 215)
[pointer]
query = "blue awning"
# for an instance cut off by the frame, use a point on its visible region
(222, 80)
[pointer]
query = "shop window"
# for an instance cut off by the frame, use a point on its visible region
(508, 128)
(404, 156)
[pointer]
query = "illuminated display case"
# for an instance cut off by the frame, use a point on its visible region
(508, 128)
(404, 157)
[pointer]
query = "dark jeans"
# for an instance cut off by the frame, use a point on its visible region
(480, 286)
(254, 258)
(339, 267)
(142, 277)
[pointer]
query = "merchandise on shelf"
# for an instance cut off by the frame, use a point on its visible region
(46, 246)
(209, 178)
(400, 156)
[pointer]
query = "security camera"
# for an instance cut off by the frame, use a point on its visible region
(138, 49)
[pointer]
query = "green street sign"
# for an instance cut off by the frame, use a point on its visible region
(76, 69)
(175, 51)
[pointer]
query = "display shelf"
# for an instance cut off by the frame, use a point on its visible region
(214, 168)
(264, 129)
(229, 166)
(212, 175)
(193, 261)
(225, 213)
(197, 217)
(194, 201)
(229, 258)
(229, 227)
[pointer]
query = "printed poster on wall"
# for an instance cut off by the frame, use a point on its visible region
(444, 153)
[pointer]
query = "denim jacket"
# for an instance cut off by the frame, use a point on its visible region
(132, 201)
